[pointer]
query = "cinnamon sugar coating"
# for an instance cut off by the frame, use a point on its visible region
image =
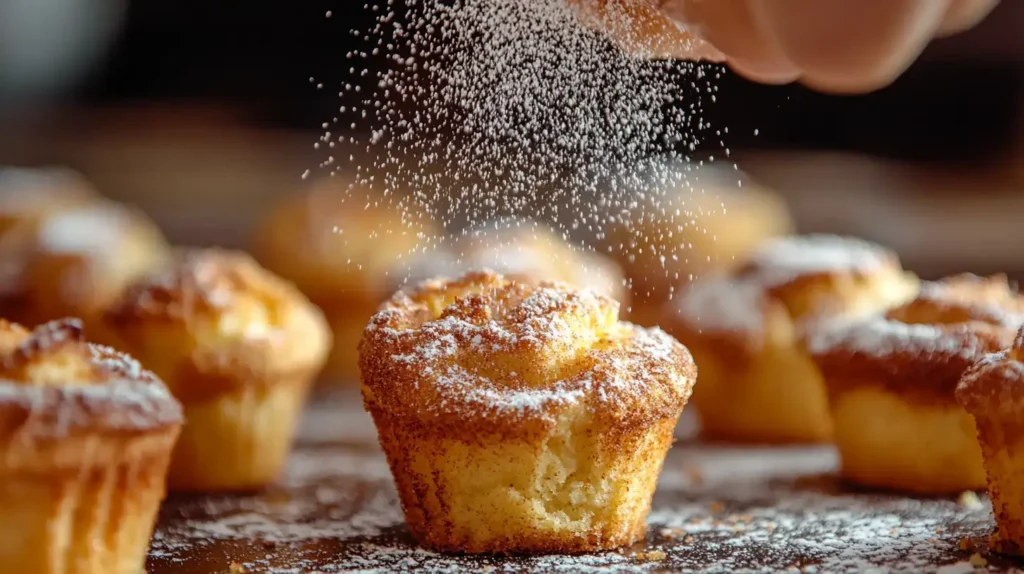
(921, 349)
(54, 385)
(505, 356)
(521, 417)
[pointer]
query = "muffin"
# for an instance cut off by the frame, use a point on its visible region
(892, 378)
(524, 250)
(27, 194)
(75, 261)
(700, 222)
(239, 348)
(85, 438)
(746, 330)
(338, 246)
(520, 418)
(990, 392)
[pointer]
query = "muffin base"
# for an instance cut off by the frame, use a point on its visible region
(581, 488)
(774, 397)
(888, 442)
(1002, 446)
(95, 518)
(238, 440)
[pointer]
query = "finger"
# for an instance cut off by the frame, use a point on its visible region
(965, 14)
(639, 27)
(850, 45)
(730, 27)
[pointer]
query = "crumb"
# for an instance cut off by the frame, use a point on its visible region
(688, 540)
(939, 530)
(978, 560)
(652, 556)
(236, 568)
(716, 507)
(969, 499)
(672, 533)
(966, 544)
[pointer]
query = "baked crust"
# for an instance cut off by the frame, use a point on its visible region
(74, 261)
(506, 383)
(746, 329)
(239, 347)
(85, 438)
(991, 391)
(921, 349)
(339, 243)
(523, 250)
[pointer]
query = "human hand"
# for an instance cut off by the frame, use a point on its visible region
(844, 46)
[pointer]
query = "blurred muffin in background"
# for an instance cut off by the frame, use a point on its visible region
(338, 242)
(706, 219)
(73, 261)
(523, 250)
(27, 194)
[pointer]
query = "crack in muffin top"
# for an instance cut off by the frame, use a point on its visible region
(994, 385)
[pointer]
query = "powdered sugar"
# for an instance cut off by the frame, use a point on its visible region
(716, 510)
(488, 109)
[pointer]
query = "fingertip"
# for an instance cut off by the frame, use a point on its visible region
(965, 14)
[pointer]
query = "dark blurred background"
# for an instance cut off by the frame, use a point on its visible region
(202, 111)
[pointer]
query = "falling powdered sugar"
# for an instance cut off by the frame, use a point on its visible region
(488, 109)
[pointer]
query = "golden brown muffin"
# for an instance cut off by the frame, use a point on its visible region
(891, 381)
(85, 438)
(746, 331)
(338, 247)
(525, 251)
(239, 348)
(702, 224)
(521, 418)
(27, 194)
(75, 261)
(991, 391)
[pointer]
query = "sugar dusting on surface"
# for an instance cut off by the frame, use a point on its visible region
(717, 509)
(495, 109)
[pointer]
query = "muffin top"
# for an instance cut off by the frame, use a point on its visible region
(921, 349)
(338, 240)
(29, 193)
(76, 260)
(486, 353)
(787, 286)
(55, 385)
(522, 250)
(219, 312)
(994, 386)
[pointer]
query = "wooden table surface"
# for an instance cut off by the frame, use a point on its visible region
(717, 509)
